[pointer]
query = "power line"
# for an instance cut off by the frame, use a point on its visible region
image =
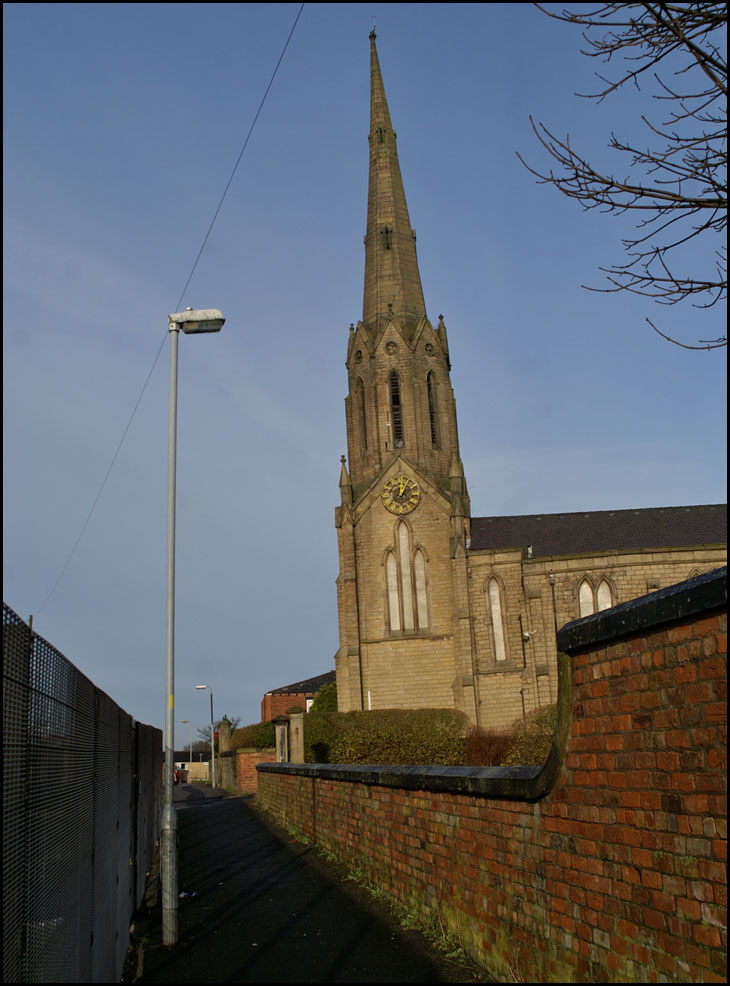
(176, 308)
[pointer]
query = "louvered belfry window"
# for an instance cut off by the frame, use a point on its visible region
(361, 417)
(396, 411)
(433, 409)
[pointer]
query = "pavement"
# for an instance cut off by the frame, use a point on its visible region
(257, 906)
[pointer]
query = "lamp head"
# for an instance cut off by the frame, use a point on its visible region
(197, 320)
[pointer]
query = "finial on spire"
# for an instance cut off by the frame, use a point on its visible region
(342, 459)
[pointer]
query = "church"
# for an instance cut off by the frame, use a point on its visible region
(438, 608)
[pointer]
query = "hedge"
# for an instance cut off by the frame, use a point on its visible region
(258, 734)
(402, 736)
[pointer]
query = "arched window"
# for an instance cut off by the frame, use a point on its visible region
(433, 409)
(604, 595)
(391, 574)
(585, 598)
(404, 551)
(494, 592)
(396, 411)
(406, 580)
(592, 600)
(419, 572)
(361, 417)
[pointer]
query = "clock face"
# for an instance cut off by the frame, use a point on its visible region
(401, 494)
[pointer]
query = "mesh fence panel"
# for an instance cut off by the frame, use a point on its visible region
(78, 783)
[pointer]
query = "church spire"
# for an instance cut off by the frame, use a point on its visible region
(392, 280)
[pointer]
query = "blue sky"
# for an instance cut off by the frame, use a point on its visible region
(122, 125)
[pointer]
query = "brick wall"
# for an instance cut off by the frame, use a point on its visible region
(608, 864)
(246, 775)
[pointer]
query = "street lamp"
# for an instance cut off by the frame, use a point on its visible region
(190, 321)
(212, 734)
(191, 741)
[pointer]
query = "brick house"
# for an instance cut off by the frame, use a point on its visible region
(300, 694)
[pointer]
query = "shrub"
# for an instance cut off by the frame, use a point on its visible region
(326, 699)
(258, 734)
(399, 736)
(320, 729)
(531, 740)
(486, 747)
(524, 744)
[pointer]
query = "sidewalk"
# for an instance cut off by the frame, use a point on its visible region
(268, 909)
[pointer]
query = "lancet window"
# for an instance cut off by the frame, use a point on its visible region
(396, 410)
(406, 575)
(433, 409)
(496, 610)
(594, 599)
(362, 423)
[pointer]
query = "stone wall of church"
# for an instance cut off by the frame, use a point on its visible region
(525, 677)
(402, 667)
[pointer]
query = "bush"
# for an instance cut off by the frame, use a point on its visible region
(326, 699)
(486, 747)
(531, 740)
(258, 734)
(320, 730)
(399, 736)
(525, 744)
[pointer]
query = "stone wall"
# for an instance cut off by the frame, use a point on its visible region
(606, 864)
(527, 678)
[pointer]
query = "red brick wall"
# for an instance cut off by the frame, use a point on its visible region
(246, 775)
(617, 874)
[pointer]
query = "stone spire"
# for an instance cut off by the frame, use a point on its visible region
(392, 280)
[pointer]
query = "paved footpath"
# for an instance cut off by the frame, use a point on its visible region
(268, 909)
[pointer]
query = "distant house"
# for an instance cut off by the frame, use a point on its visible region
(300, 694)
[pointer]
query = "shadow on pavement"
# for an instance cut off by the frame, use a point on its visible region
(265, 908)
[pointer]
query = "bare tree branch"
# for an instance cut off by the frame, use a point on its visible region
(704, 343)
(677, 184)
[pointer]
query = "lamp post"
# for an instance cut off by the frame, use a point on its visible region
(190, 725)
(191, 322)
(212, 734)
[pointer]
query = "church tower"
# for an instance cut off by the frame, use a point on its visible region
(403, 522)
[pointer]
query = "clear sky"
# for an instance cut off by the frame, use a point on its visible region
(122, 125)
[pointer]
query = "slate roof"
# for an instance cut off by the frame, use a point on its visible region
(600, 530)
(308, 685)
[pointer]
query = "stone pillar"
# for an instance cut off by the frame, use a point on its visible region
(281, 725)
(296, 737)
(224, 735)
(227, 770)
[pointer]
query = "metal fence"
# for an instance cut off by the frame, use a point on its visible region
(82, 786)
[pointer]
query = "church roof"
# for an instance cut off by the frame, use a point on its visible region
(307, 685)
(597, 531)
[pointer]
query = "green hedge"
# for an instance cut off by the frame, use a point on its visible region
(402, 736)
(531, 741)
(258, 734)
